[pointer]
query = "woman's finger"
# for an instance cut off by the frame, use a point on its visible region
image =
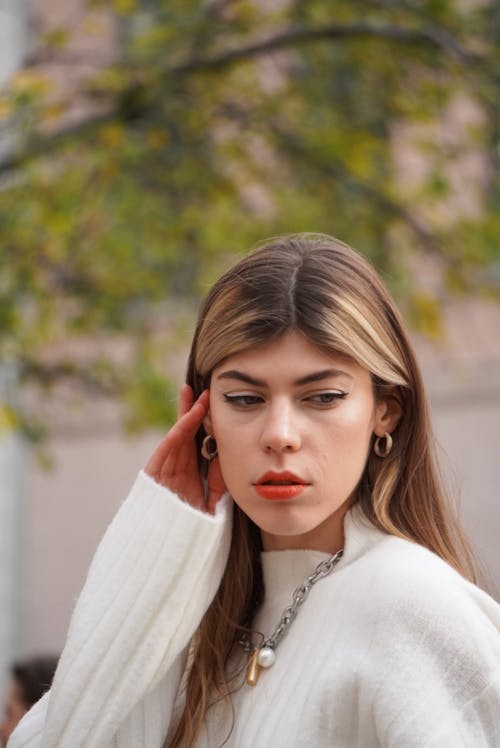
(191, 421)
(180, 435)
(186, 400)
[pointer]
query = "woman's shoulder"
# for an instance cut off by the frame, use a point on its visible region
(404, 579)
(432, 639)
(413, 571)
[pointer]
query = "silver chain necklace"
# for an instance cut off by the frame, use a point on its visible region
(265, 655)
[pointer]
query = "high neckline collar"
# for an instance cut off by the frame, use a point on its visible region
(285, 570)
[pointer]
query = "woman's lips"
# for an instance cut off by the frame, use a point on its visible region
(279, 486)
(279, 492)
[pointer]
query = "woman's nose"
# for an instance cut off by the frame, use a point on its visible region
(280, 432)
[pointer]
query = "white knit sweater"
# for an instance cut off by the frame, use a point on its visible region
(393, 649)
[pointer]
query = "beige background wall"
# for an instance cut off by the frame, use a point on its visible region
(470, 438)
(65, 513)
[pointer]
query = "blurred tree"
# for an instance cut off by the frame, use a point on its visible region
(225, 121)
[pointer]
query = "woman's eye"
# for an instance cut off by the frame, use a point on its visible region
(243, 400)
(327, 398)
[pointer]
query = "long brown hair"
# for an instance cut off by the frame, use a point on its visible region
(323, 288)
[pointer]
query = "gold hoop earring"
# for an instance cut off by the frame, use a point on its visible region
(383, 452)
(209, 447)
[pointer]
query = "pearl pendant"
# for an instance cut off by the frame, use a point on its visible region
(266, 657)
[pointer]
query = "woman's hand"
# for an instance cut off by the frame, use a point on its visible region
(174, 463)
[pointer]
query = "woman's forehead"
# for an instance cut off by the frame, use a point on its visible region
(293, 353)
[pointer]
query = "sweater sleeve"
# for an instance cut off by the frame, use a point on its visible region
(153, 576)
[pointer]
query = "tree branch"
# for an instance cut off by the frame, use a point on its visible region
(432, 36)
(40, 145)
(427, 240)
(46, 374)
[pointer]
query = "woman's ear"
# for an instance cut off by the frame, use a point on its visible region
(388, 412)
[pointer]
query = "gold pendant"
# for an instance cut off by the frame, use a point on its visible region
(253, 668)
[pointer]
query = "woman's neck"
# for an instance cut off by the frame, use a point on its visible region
(327, 537)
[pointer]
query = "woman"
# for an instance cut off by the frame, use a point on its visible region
(304, 406)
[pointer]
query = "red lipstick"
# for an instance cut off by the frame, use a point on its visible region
(279, 486)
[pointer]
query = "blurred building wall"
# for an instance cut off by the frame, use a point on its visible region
(462, 373)
(11, 469)
(13, 36)
(469, 434)
(13, 44)
(66, 511)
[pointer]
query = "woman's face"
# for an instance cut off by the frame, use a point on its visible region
(293, 427)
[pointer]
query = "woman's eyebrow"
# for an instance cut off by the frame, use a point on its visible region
(316, 376)
(241, 377)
